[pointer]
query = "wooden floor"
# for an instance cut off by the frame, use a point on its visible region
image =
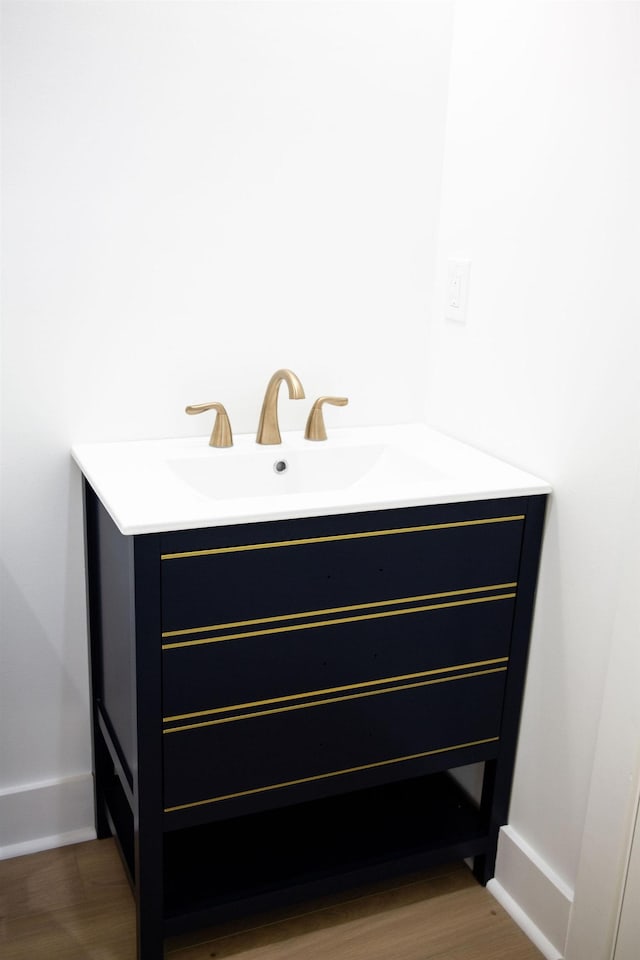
(74, 903)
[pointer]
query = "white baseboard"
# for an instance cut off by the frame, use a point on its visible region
(525, 923)
(535, 897)
(40, 816)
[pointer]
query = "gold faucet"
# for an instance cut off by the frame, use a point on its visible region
(268, 429)
(315, 429)
(221, 435)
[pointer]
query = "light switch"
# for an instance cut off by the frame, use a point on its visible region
(458, 272)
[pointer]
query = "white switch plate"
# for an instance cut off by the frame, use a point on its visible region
(457, 293)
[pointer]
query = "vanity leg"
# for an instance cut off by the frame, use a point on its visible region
(498, 778)
(102, 767)
(149, 898)
(484, 865)
(148, 788)
(102, 770)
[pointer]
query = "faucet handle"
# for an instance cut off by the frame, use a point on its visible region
(221, 435)
(315, 428)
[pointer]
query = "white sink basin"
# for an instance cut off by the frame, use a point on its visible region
(276, 472)
(154, 485)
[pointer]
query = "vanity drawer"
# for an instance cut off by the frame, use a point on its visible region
(263, 662)
(325, 743)
(218, 580)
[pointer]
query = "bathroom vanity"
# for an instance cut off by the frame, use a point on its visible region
(281, 684)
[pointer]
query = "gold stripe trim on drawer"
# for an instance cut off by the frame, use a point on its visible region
(340, 689)
(336, 620)
(333, 773)
(400, 688)
(354, 606)
(342, 536)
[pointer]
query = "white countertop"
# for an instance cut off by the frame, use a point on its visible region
(149, 486)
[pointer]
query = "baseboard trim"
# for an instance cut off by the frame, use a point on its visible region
(525, 923)
(46, 843)
(41, 816)
(533, 895)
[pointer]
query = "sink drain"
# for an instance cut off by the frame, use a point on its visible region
(280, 466)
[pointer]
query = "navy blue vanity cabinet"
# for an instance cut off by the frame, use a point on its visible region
(277, 706)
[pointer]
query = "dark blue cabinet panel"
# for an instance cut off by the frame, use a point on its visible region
(272, 680)
(326, 744)
(280, 571)
(256, 665)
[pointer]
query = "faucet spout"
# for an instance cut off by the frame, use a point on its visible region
(268, 429)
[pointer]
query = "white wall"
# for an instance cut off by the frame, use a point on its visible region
(603, 876)
(197, 193)
(194, 194)
(541, 192)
